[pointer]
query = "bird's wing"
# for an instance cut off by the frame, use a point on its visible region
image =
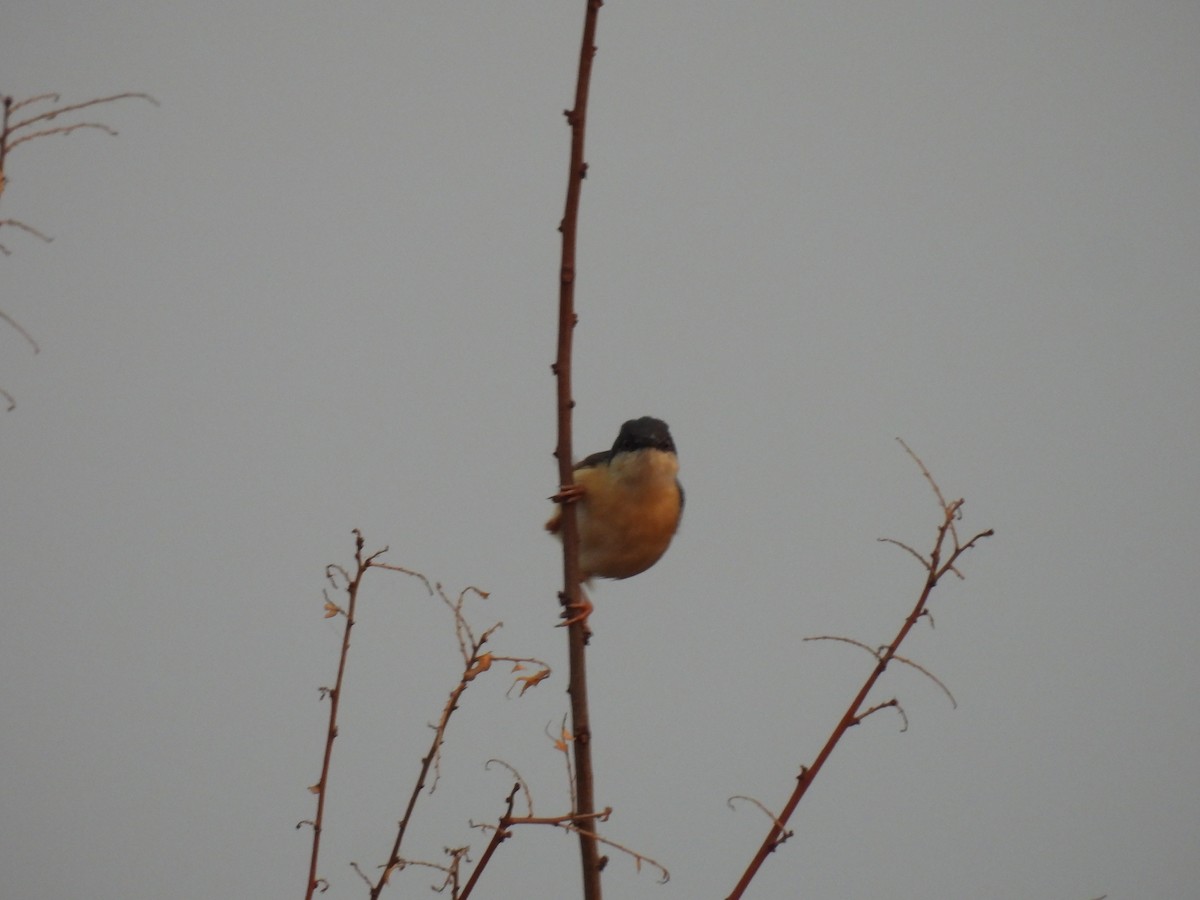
(595, 460)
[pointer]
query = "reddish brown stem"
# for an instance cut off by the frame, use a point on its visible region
(335, 697)
(935, 570)
(427, 762)
(577, 632)
(500, 835)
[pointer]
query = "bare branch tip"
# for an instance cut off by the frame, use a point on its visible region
(19, 329)
(929, 675)
(903, 546)
(784, 833)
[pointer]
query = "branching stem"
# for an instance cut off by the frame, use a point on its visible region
(946, 542)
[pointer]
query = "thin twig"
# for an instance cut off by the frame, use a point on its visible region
(16, 326)
(17, 104)
(521, 783)
(54, 113)
(887, 704)
(570, 822)
(570, 596)
(845, 640)
(937, 491)
(63, 129)
(403, 571)
(7, 143)
(903, 546)
(563, 745)
(897, 657)
(321, 788)
(924, 671)
(458, 855)
(770, 815)
(17, 223)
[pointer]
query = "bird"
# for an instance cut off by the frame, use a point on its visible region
(630, 503)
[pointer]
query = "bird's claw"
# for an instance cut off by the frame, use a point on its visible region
(568, 493)
(582, 610)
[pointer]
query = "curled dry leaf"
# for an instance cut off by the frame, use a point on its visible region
(481, 665)
(528, 681)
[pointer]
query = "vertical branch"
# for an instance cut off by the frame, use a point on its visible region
(8, 103)
(577, 632)
(321, 788)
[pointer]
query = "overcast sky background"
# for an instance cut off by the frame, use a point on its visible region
(315, 290)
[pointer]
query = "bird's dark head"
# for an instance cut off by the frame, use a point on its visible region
(646, 433)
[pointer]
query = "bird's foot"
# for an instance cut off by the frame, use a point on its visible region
(568, 493)
(577, 613)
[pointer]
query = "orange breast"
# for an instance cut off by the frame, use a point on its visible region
(629, 513)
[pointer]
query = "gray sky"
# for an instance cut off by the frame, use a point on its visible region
(316, 290)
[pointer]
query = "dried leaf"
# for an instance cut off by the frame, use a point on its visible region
(528, 681)
(481, 665)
